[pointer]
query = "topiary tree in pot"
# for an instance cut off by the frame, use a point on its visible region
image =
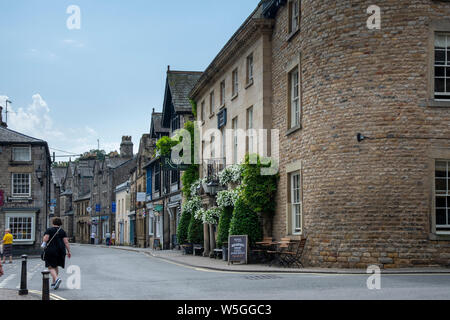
(195, 231)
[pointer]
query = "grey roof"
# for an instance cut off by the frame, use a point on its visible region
(116, 162)
(84, 197)
(156, 125)
(58, 175)
(68, 192)
(180, 84)
(10, 136)
(85, 172)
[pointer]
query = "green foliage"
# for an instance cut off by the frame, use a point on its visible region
(183, 227)
(259, 191)
(224, 226)
(61, 164)
(192, 174)
(164, 146)
(195, 231)
(92, 155)
(188, 178)
(245, 222)
(194, 107)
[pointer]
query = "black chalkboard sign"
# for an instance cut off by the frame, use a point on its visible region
(237, 249)
(156, 244)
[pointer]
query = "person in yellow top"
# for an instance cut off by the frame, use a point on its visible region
(7, 245)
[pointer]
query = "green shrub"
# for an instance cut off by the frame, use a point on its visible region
(195, 231)
(245, 222)
(259, 191)
(183, 227)
(224, 226)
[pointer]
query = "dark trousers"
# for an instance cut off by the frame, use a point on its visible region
(92, 241)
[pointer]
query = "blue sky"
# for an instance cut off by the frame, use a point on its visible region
(72, 87)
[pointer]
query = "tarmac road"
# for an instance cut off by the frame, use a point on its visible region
(107, 274)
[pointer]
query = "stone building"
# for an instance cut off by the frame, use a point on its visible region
(177, 110)
(66, 201)
(25, 179)
(108, 174)
(155, 203)
(83, 178)
(383, 198)
(58, 174)
(234, 94)
(138, 182)
(122, 192)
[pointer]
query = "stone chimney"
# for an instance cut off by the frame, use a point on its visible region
(126, 147)
(2, 124)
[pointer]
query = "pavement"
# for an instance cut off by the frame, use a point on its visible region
(8, 294)
(177, 257)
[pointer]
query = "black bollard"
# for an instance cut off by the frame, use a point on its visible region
(45, 285)
(23, 280)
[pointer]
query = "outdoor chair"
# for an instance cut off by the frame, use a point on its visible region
(293, 255)
(276, 255)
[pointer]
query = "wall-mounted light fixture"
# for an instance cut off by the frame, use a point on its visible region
(40, 175)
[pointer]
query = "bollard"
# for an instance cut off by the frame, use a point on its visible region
(23, 280)
(45, 285)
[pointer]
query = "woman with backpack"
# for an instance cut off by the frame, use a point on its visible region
(56, 244)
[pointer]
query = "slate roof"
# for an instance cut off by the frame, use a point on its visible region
(180, 84)
(116, 162)
(10, 136)
(58, 175)
(156, 125)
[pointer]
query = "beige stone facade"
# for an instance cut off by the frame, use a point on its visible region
(368, 202)
(122, 211)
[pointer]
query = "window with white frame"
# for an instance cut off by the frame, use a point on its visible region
(202, 111)
(151, 222)
(21, 184)
(250, 68)
(211, 102)
(296, 203)
(235, 78)
(442, 194)
(224, 147)
(235, 140)
(294, 15)
(294, 98)
(158, 226)
(22, 226)
(442, 66)
(21, 153)
(222, 93)
(250, 131)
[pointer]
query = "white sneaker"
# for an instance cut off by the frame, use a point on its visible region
(57, 284)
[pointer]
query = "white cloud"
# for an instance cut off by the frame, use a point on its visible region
(35, 120)
(74, 43)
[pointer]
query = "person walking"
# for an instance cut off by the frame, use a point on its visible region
(56, 244)
(113, 238)
(108, 238)
(7, 245)
(93, 238)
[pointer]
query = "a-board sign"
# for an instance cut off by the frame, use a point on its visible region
(238, 249)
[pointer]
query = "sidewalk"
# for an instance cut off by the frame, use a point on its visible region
(7, 294)
(177, 256)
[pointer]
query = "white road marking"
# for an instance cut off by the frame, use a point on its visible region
(5, 281)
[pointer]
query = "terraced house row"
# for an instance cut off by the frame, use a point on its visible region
(362, 123)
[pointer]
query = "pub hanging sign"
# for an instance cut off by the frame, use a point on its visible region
(2, 198)
(168, 164)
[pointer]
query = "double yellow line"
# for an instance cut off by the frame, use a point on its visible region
(52, 296)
